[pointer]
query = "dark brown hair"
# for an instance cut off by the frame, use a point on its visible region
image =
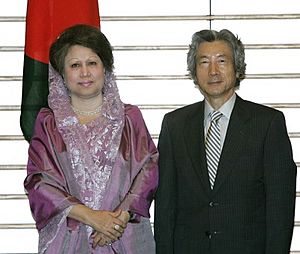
(83, 35)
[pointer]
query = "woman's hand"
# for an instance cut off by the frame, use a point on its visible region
(105, 222)
(124, 216)
(108, 223)
(101, 239)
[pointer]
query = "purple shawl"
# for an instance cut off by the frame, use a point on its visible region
(125, 179)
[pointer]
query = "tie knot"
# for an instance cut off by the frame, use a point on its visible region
(216, 115)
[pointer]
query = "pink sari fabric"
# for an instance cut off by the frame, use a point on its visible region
(93, 147)
(63, 172)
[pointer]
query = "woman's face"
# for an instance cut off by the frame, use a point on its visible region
(83, 73)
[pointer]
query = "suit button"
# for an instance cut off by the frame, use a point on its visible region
(208, 234)
(213, 204)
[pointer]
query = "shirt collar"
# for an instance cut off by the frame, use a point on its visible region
(226, 108)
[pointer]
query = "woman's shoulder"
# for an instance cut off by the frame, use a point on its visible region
(132, 111)
(45, 117)
(45, 126)
(134, 114)
(43, 114)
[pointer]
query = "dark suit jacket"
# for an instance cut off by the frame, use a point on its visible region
(251, 208)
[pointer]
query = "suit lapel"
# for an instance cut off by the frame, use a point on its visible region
(194, 142)
(234, 137)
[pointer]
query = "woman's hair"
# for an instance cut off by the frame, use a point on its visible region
(209, 36)
(83, 35)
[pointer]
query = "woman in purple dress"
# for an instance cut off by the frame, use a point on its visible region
(92, 168)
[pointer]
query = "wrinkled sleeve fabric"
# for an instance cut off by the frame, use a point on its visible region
(140, 151)
(45, 183)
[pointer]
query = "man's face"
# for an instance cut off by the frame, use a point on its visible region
(215, 71)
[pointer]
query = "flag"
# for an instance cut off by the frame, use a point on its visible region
(45, 20)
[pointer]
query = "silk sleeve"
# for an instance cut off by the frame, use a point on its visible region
(45, 183)
(140, 149)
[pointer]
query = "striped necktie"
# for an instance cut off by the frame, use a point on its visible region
(213, 146)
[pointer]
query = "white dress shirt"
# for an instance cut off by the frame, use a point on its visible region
(226, 110)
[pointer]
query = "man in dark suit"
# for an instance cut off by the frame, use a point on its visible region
(227, 185)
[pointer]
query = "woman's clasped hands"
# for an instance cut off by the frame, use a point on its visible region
(108, 226)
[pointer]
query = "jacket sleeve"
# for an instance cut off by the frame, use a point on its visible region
(165, 199)
(280, 187)
(140, 150)
(45, 183)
